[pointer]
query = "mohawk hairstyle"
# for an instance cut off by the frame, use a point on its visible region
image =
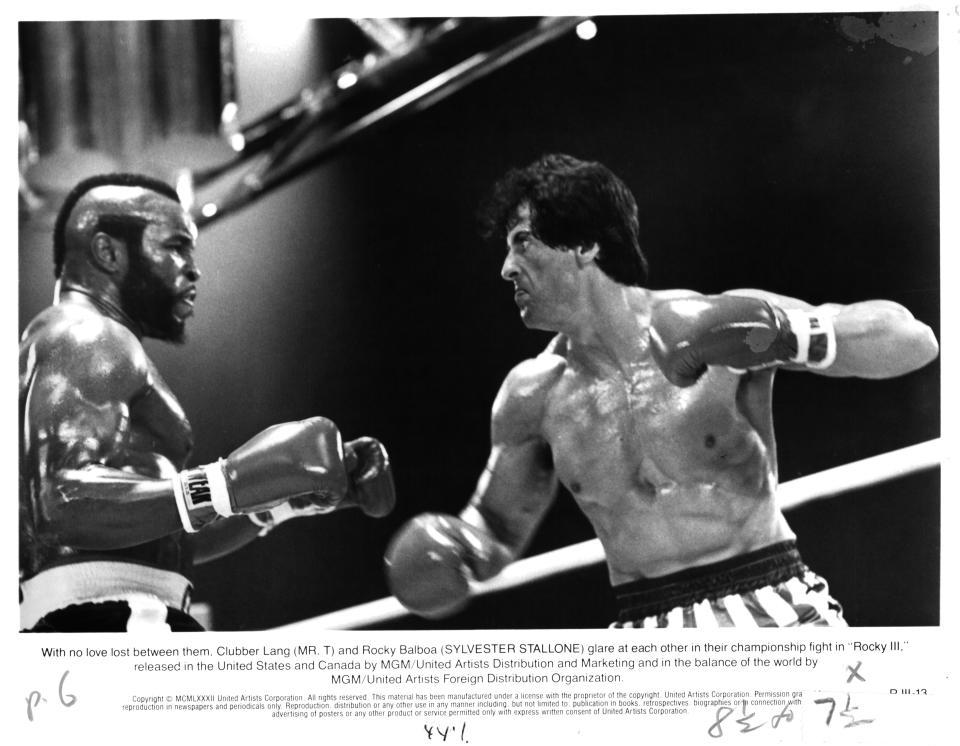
(115, 179)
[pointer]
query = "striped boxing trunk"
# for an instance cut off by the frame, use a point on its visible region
(770, 587)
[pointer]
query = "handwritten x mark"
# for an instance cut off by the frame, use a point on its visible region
(853, 673)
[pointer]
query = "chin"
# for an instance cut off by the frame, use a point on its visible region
(532, 322)
(177, 336)
(173, 333)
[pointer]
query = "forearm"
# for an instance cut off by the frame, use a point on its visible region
(514, 492)
(880, 339)
(223, 537)
(101, 508)
(874, 338)
(500, 547)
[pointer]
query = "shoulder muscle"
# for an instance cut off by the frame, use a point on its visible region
(100, 358)
(519, 406)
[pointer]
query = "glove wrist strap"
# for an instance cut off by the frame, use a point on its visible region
(219, 492)
(264, 520)
(192, 494)
(270, 519)
(816, 338)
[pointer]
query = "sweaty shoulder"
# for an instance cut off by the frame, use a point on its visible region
(519, 407)
(659, 296)
(96, 354)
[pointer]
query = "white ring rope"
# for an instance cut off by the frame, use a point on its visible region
(855, 475)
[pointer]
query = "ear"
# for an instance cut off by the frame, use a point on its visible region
(586, 255)
(108, 253)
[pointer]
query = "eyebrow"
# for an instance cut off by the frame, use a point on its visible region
(184, 236)
(519, 230)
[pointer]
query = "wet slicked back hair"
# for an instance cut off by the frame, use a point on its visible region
(127, 228)
(572, 203)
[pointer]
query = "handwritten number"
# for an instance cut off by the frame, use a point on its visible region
(715, 731)
(853, 721)
(745, 720)
(73, 698)
(35, 698)
(833, 705)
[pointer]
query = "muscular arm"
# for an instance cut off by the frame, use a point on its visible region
(221, 538)
(433, 557)
(518, 484)
(85, 489)
(875, 338)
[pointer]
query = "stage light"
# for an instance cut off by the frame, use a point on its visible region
(346, 80)
(587, 30)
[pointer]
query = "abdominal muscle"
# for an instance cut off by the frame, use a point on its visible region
(669, 478)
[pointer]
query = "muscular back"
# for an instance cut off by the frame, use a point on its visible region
(99, 434)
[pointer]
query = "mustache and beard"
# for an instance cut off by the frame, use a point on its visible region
(148, 300)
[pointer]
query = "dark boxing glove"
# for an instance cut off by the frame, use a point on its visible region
(300, 462)
(742, 333)
(369, 476)
(369, 487)
(432, 559)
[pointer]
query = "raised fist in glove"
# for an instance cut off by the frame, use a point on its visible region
(432, 559)
(294, 459)
(369, 487)
(739, 332)
(369, 477)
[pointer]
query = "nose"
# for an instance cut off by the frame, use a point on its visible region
(509, 270)
(191, 270)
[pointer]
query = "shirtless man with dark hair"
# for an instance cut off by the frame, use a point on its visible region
(111, 521)
(654, 409)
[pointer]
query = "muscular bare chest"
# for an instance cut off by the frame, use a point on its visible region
(641, 435)
(666, 476)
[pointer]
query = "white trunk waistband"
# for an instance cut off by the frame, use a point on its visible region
(92, 582)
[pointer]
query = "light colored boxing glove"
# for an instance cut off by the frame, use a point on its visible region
(369, 487)
(742, 333)
(432, 559)
(294, 460)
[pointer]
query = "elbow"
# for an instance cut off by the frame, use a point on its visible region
(47, 532)
(50, 518)
(923, 346)
(911, 343)
(56, 527)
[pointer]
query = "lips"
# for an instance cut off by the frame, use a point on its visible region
(184, 305)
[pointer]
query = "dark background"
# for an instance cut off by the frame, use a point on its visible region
(764, 151)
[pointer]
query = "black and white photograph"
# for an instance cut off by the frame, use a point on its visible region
(480, 323)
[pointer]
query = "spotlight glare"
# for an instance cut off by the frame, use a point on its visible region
(587, 30)
(209, 210)
(230, 112)
(346, 80)
(184, 187)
